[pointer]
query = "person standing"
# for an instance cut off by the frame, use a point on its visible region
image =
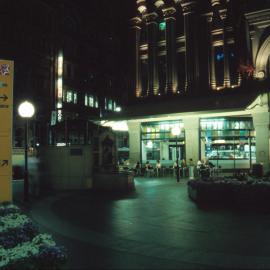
(158, 168)
(191, 168)
(184, 168)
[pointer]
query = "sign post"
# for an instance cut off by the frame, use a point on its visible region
(6, 111)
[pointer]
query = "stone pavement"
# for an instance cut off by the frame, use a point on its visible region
(156, 227)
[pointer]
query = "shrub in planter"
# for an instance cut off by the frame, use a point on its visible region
(249, 194)
(13, 236)
(13, 220)
(21, 247)
(30, 255)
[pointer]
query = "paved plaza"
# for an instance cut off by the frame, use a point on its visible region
(156, 227)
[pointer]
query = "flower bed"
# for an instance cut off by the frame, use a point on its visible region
(230, 191)
(22, 246)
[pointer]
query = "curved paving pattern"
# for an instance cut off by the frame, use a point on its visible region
(156, 227)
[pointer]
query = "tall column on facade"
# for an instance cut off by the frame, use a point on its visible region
(227, 81)
(152, 31)
(192, 136)
(192, 43)
(261, 125)
(171, 79)
(222, 12)
(134, 131)
(136, 27)
(212, 54)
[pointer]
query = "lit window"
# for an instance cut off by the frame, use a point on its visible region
(110, 104)
(96, 103)
(162, 26)
(86, 100)
(91, 101)
(220, 56)
(59, 115)
(69, 96)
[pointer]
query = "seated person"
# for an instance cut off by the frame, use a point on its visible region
(148, 168)
(126, 164)
(199, 164)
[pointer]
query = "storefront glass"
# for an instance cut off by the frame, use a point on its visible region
(122, 144)
(159, 142)
(228, 142)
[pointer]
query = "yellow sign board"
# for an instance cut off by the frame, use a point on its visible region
(6, 111)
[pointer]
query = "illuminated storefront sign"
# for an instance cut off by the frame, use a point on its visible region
(60, 63)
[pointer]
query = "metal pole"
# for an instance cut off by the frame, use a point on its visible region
(250, 153)
(177, 163)
(234, 154)
(66, 131)
(26, 180)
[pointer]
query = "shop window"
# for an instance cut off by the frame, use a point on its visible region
(229, 143)
(123, 146)
(159, 142)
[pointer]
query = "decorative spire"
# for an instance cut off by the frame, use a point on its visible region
(215, 2)
(141, 6)
(159, 3)
(188, 6)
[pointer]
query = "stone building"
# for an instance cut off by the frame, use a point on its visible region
(201, 83)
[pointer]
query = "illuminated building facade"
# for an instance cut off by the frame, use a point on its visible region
(203, 67)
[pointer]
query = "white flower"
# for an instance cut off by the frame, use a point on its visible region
(12, 221)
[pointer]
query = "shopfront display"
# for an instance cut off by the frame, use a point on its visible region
(228, 142)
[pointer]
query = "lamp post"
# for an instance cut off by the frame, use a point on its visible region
(176, 132)
(26, 110)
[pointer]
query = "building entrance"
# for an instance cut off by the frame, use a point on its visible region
(174, 150)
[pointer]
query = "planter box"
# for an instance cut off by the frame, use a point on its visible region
(248, 194)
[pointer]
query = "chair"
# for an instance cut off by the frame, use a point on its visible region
(149, 172)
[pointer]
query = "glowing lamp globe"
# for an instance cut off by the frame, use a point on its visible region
(26, 109)
(176, 131)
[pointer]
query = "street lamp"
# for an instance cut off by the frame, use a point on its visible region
(176, 132)
(26, 110)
